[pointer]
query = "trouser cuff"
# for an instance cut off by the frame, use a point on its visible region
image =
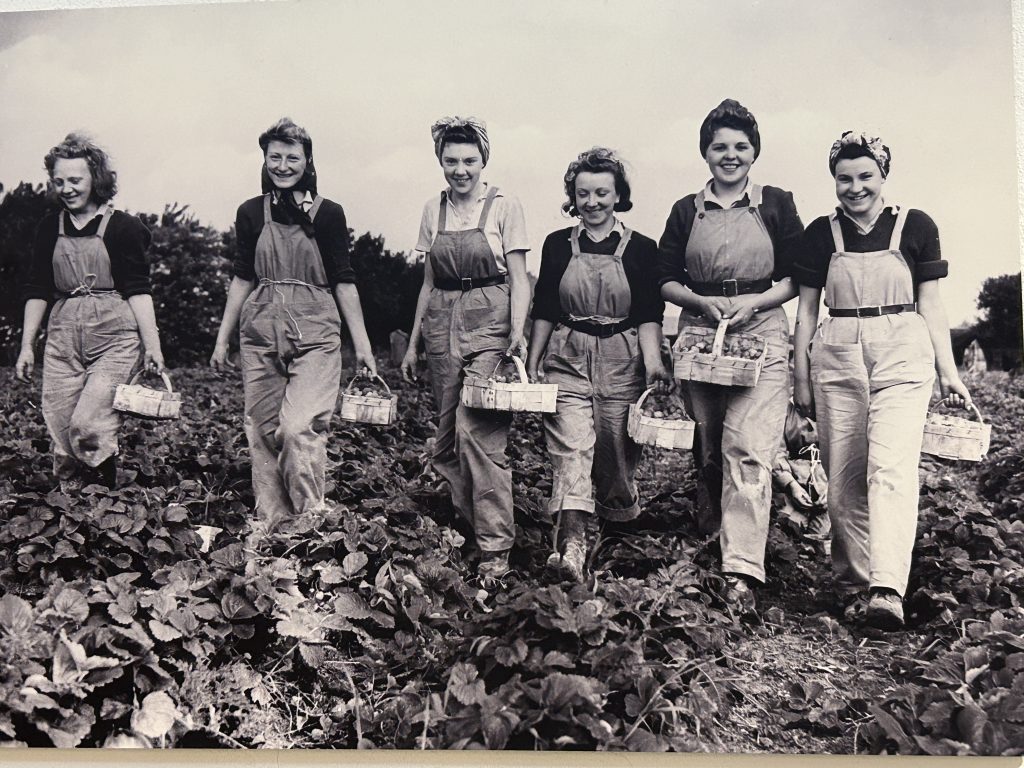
(571, 502)
(618, 514)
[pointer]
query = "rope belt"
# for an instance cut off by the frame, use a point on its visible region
(468, 283)
(730, 287)
(601, 330)
(889, 309)
(295, 323)
(85, 288)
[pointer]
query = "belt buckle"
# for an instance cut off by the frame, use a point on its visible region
(467, 284)
(735, 287)
(869, 311)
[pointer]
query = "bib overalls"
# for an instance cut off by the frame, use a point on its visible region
(872, 379)
(738, 428)
(92, 345)
(598, 378)
(290, 334)
(465, 333)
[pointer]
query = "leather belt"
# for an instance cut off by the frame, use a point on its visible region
(889, 309)
(601, 330)
(468, 283)
(730, 287)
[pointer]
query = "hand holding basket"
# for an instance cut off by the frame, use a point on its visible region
(146, 402)
(493, 395)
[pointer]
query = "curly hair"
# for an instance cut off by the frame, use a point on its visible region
(287, 131)
(729, 114)
(79, 145)
(597, 160)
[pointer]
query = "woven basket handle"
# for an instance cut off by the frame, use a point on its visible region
(520, 368)
(716, 346)
(163, 375)
(945, 401)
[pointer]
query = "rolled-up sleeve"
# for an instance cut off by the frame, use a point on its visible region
(243, 266)
(646, 304)
(37, 269)
(333, 239)
(671, 260)
(927, 255)
(812, 253)
(788, 232)
(512, 225)
(128, 240)
(553, 260)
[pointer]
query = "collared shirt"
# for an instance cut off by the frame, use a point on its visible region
(305, 204)
(865, 229)
(505, 228)
(617, 228)
(710, 196)
(919, 245)
(777, 209)
(639, 262)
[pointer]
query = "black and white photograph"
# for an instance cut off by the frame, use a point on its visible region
(515, 376)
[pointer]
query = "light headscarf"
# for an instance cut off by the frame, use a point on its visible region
(872, 145)
(478, 127)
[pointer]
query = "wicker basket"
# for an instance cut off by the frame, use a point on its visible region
(954, 437)
(367, 409)
(147, 403)
(715, 367)
(674, 434)
(509, 396)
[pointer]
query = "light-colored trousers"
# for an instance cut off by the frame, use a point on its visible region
(291, 390)
(871, 397)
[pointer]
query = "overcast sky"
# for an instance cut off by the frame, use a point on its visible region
(180, 94)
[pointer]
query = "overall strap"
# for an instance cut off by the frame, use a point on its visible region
(897, 230)
(317, 202)
(442, 217)
(623, 242)
(837, 232)
(60, 222)
(755, 195)
(698, 202)
(105, 221)
(491, 194)
(266, 209)
(574, 240)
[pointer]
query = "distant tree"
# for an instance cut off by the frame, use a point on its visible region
(190, 269)
(388, 283)
(999, 329)
(20, 212)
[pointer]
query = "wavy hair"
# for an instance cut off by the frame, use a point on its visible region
(729, 114)
(79, 145)
(597, 160)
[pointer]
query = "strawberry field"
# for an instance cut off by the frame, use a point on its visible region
(144, 616)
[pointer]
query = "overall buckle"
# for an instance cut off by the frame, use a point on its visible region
(869, 311)
(730, 287)
(467, 284)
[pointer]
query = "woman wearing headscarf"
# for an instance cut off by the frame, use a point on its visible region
(470, 314)
(597, 312)
(870, 371)
(292, 275)
(102, 327)
(726, 253)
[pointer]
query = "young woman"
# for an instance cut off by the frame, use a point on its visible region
(102, 326)
(597, 311)
(870, 371)
(726, 253)
(291, 277)
(470, 314)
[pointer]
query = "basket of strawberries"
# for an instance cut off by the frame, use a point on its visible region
(366, 403)
(717, 357)
(954, 437)
(660, 421)
(509, 392)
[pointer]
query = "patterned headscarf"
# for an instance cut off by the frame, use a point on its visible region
(477, 127)
(871, 146)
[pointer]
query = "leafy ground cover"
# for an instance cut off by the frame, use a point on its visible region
(143, 616)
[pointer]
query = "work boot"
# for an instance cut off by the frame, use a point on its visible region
(739, 595)
(853, 605)
(571, 562)
(492, 568)
(108, 472)
(885, 609)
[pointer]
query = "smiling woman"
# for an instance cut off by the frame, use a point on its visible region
(291, 277)
(102, 326)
